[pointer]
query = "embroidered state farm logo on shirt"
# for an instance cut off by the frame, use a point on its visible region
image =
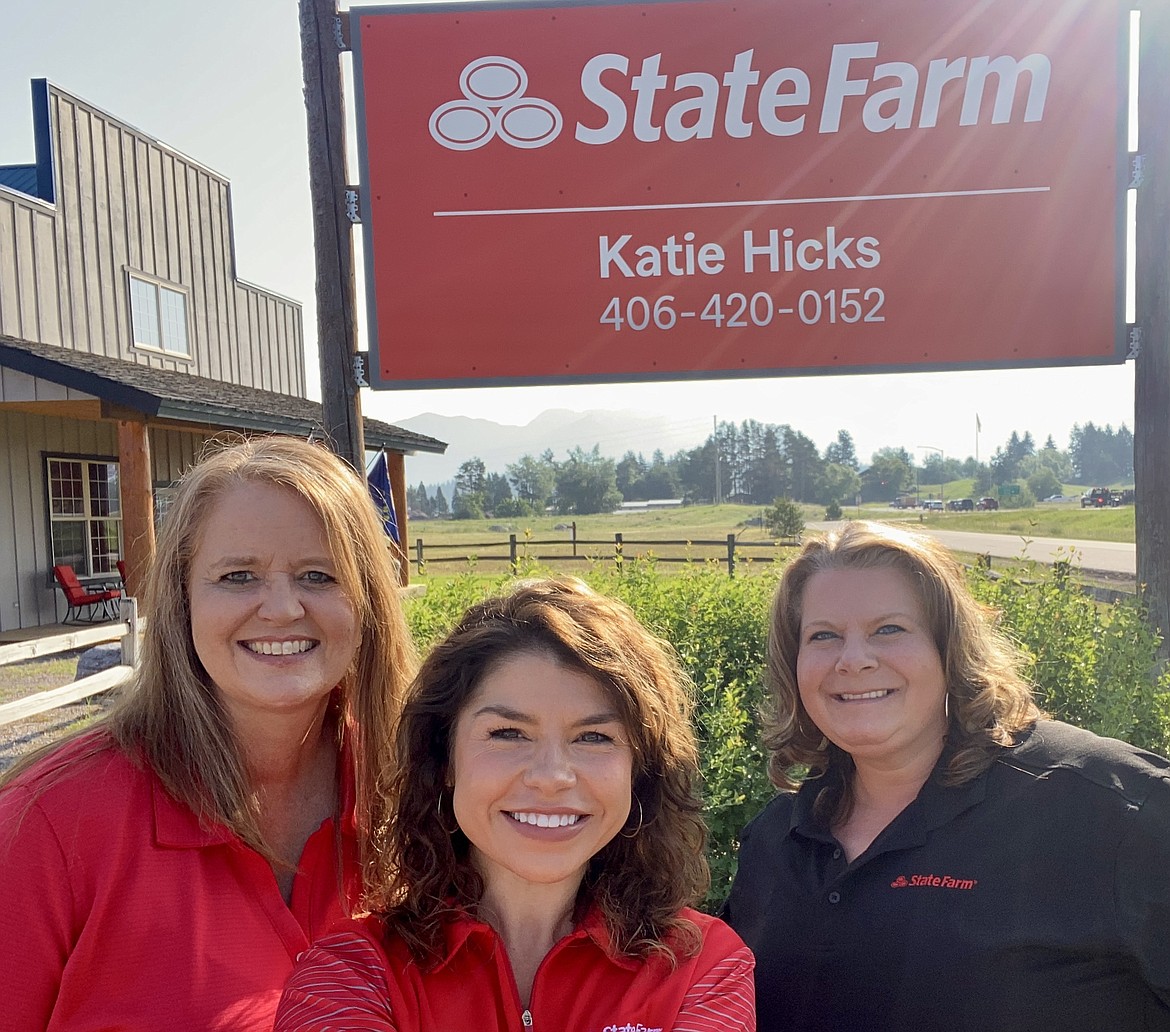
(933, 881)
(630, 1028)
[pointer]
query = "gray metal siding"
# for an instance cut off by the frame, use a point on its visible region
(128, 203)
(26, 599)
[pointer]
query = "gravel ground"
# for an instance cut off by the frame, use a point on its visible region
(18, 680)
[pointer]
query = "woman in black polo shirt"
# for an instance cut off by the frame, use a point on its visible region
(951, 859)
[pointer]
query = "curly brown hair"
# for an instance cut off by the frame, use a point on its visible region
(989, 700)
(643, 877)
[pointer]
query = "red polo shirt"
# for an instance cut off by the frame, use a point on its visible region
(118, 910)
(349, 981)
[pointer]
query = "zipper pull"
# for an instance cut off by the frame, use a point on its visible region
(526, 1019)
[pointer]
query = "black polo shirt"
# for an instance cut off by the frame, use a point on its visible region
(1036, 897)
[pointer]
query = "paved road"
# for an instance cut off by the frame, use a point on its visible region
(1109, 556)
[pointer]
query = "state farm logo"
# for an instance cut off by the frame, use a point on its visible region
(933, 881)
(494, 104)
(624, 98)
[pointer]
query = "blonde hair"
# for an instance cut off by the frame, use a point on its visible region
(169, 713)
(643, 876)
(988, 699)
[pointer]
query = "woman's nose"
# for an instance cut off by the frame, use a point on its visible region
(856, 653)
(550, 768)
(280, 600)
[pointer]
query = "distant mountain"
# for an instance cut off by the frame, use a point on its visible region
(499, 445)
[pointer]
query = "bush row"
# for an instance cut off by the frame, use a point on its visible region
(1092, 664)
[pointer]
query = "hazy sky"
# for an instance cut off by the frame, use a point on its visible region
(221, 81)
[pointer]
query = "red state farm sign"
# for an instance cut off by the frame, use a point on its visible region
(573, 193)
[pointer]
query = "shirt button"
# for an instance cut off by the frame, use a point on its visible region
(834, 896)
(837, 853)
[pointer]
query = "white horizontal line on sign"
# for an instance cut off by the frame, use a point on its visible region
(744, 204)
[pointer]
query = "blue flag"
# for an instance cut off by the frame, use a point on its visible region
(378, 477)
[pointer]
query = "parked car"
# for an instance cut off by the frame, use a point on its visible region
(961, 504)
(987, 504)
(933, 505)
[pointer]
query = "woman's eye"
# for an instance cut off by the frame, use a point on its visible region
(237, 577)
(506, 734)
(595, 738)
(317, 577)
(821, 636)
(890, 629)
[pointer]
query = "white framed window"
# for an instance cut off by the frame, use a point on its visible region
(158, 316)
(85, 514)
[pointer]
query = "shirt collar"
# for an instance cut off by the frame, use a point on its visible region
(935, 805)
(177, 826)
(464, 931)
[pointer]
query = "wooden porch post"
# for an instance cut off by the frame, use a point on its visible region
(137, 501)
(396, 467)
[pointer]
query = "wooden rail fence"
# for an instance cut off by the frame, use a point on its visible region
(516, 549)
(126, 631)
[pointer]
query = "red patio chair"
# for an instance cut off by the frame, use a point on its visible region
(85, 606)
(121, 564)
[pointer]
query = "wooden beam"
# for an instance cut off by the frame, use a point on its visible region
(396, 466)
(77, 408)
(137, 501)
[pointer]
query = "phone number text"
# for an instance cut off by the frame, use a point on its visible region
(732, 311)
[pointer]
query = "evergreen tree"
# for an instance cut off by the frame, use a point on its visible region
(842, 451)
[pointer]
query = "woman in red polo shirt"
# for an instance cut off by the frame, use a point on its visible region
(544, 844)
(165, 868)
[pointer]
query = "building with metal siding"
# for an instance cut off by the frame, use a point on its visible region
(126, 342)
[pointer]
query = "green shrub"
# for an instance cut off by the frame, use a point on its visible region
(1091, 664)
(784, 518)
(718, 626)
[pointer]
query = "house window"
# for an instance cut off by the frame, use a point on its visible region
(85, 514)
(158, 315)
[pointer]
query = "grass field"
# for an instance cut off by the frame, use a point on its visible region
(1056, 519)
(447, 543)
(1048, 519)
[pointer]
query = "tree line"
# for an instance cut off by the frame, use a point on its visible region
(756, 463)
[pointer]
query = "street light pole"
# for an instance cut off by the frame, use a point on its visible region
(941, 460)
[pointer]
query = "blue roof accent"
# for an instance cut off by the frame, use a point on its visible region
(37, 179)
(19, 177)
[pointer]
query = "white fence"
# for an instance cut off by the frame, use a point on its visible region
(125, 631)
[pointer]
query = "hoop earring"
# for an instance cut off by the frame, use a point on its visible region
(947, 708)
(641, 816)
(439, 812)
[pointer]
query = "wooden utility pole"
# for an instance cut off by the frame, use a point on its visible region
(1151, 173)
(322, 42)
